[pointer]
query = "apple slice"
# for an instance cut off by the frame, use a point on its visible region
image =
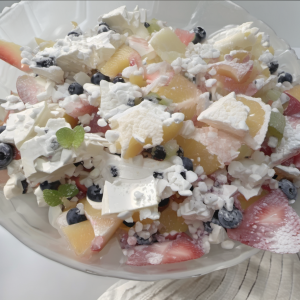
(11, 53)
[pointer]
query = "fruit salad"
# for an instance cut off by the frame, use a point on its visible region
(166, 139)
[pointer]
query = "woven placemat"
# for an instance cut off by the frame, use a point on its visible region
(264, 276)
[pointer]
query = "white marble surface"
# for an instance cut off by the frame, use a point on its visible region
(26, 275)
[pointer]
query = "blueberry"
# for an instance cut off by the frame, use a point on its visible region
(164, 202)
(118, 79)
(230, 219)
(78, 163)
(103, 27)
(273, 66)
(114, 171)
(180, 152)
(207, 227)
(94, 193)
(2, 128)
(6, 155)
(288, 189)
(187, 163)
(141, 241)
(73, 216)
(215, 218)
(285, 77)
(46, 63)
(200, 35)
(74, 33)
(75, 89)
(50, 185)
(158, 175)
(97, 77)
(192, 188)
(131, 224)
(25, 186)
(159, 153)
(146, 24)
(183, 175)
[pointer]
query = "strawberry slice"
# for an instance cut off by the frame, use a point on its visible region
(80, 108)
(80, 186)
(95, 127)
(28, 88)
(185, 36)
(293, 106)
(183, 248)
(269, 224)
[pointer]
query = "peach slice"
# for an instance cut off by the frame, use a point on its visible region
(72, 121)
(138, 80)
(193, 150)
(121, 59)
(11, 53)
(246, 203)
(79, 236)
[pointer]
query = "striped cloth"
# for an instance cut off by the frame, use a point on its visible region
(265, 276)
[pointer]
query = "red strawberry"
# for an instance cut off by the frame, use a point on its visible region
(269, 224)
(181, 249)
(28, 88)
(293, 107)
(80, 108)
(296, 161)
(185, 36)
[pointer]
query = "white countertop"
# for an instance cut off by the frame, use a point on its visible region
(26, 275)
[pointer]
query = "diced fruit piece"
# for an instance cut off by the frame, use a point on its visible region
(288, 189)
(294, 103)
(171, 221)
(185, 36)
(239, 72)
(80, 236)
(193, 149)
(273, 66)
(118, 79)
(80, 108)
(158, 153)
(44, 44)
(29, 87)
(269, 224)
(241, 55)
(141, 46)
(272, 95)
(121, 59)
(170, 132)
(137, 80)
(104, 226)
(200, 35)
(97, 77)
(75, 88)
(171, 148)
(74, 216)
(230, 219)
(245, 151)
(283, 77)
(276, 125)
(153, 26)
(246, 203)
(257, 120)
(167, 45)
(297, 161)
(6, 155)
(182, 248)
(11, 53)
(80, 186)
(95, 127)
(72, 121)
(179, 89)
(135, 147)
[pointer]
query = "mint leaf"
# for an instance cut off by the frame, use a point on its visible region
(67, 190)
(51, 197)
(65, 137)
(78, 132)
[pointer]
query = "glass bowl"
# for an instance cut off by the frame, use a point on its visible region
(50, 20)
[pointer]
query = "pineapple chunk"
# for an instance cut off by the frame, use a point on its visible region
(168, 45)
(170, 132)
(121, 59)
(171, 221)
(104, 226)
(193, 149)
(138, 80)
(179, 89)
(80, 236)
(245, 151)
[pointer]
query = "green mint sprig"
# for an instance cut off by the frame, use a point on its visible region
(54, 198)
(68, 138)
